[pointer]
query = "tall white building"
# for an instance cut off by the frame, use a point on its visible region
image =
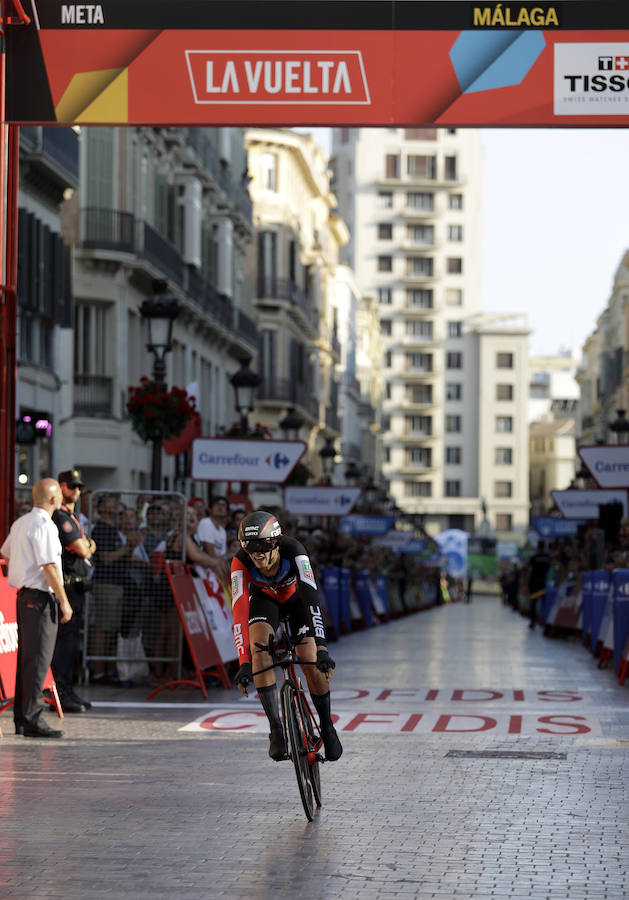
(455, 382)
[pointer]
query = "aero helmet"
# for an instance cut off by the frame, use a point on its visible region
(259, 532)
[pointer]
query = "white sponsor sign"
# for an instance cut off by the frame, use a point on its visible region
(320, 501)
(609, 466)
(591, 79)
(576, 504)
(222, 459)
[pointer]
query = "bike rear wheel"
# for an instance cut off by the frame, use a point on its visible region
(294, 724)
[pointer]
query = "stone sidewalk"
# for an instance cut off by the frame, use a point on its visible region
(481, 760)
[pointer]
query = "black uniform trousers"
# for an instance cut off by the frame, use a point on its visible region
(37, 616)
(68, 639)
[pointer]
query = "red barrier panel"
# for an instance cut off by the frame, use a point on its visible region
(8, 650)
(206, 624)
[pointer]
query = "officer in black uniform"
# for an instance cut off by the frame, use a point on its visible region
(77, 565)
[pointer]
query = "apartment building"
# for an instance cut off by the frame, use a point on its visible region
(305, 301)
(169, 204)
(604, 374)
(412, 201)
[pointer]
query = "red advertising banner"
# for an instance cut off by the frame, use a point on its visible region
(384, 63)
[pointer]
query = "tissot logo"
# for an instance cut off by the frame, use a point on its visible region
(591, 79)
(278, 77)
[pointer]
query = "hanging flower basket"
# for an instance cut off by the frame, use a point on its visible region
(157, 413)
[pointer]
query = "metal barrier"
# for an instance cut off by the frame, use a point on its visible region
(132, 631)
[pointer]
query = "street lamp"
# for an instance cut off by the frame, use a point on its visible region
(290, 424)
(352, 473)
(620, 427)
(245, 383)
(371, 493)
(159, 312)
(327, 454)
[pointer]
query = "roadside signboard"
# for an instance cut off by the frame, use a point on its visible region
(575, 504)
(608, 465)
(237, 459)
(320, 500)
(553, 526)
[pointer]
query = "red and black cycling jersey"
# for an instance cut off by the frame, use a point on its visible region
(294, 575)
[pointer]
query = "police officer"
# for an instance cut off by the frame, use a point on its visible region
(77, 565)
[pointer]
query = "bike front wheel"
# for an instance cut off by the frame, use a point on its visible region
(296, 732)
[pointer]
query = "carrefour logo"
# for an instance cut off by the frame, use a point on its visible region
(278, 461)
(601, 586)
(623, 589)
(591, 79)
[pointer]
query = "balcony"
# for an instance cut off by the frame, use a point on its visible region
(286, 392)
(93, 396)
(271, 288)
(52, 153)
(107, 229)
(162, 254)
(351, 451)
(332, 418)
(367, 412)
(351, 383)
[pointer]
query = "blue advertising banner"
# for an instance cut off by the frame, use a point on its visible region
(363, 593)
(331, 577)
(552, 527)
(381, 588)
(545, 603)
(620, 593)
(601, 582)
(366, 526)
(345, 598)
(586, 601)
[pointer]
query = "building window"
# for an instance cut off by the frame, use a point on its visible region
(386, 327)
(385, 199)
(385, 231)
(453, 488)
(455, 201)
(454, 265)
(420, 134)
(454, 391)
(453, 424)
(454, 297)
(419, 456)
(387, 454)
(503, 456)
(268, 163)
(420, 234)
(385, 296)
(419, 298)
(420, 362)
(455, 232)
(504, 392)
(385, 263)
(504, 424)
(421, 329)
(419, 393)
(392, 165)
(388, 359)
(504, 360)
(450, 168)
(504, 521)
(420, 200)
(455, 329)
(418, 489)
(419, 425)
(503, 489)
(386, 423)
(90, 339)
(344, 135)
(420, 265)
(421, 166)
(454, 360)
(454, 456)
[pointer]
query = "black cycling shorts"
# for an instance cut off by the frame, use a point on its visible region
(264, 608)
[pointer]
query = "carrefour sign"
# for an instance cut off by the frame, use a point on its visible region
(609, 466)
(222, 459)
(320, 501)
(575, 504)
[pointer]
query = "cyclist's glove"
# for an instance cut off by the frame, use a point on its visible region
(244, 676)
(325, 663)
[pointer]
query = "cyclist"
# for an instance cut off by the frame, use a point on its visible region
(272, 578)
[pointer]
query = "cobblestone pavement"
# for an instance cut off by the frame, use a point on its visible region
(420, 804)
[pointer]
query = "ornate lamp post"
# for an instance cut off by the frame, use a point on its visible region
(328, 455)
(620, 427)
(352, 473)
(245, 383)
(159, 312)
(290, 424)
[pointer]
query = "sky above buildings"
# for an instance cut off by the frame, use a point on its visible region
(556, 226)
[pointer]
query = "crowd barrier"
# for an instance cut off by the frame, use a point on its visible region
(594, 606)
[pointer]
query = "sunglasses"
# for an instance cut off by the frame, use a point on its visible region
(260, 545)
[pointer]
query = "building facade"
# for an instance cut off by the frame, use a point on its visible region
(412, 201)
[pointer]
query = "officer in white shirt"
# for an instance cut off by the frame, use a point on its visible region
(212, 536)
(33, 552)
